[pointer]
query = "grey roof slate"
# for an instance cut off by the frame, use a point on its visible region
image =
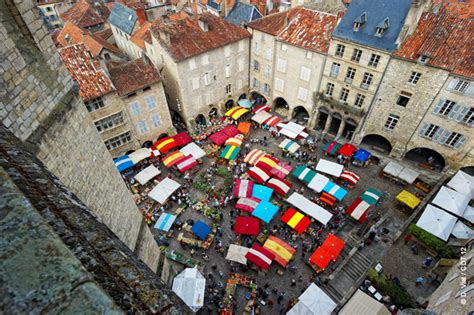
(377, 11)
(123, 18)
(242, 13)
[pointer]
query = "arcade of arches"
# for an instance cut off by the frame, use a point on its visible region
(335, 124)
(378, 143)
(427, 157)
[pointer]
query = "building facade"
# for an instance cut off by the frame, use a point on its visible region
(124, 24)
(51, 10)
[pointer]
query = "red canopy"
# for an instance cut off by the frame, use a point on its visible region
(260, 256)
(347, 149)
(280, 186)
(296, 220)
(328, 199)
(182, 139)
(333, 245)
(258, 174)
(230, 130)
(220, 137)
(247, 225)
(321, 258)
(261, 108)
(165, 144)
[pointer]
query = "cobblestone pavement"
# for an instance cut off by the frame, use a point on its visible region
(304, 274)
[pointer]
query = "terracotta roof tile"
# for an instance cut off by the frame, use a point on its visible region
(83, 15)
(72, 34)
(92, 81)
(446, 37)
(133, 75)
(139, 36)
(187, 39)
(273, 24)
(104, 34)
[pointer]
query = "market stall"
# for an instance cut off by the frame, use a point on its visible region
(462, 183)
(194, 150)
(201, 230)
(254, 156)
(330, 168)
(304, 173)
(261, 108)
(230, 152)
(165, 144)
(335, 190)
(280, 186)
(313, 301)
(235, 141)
(182, 139)
(243, 188)
(358, 210)
(350, 177)
(165, 222)
(462, 231)
(331, 148)
(318, 182)
(260, 175)
(163, 190)
(320, 258)
(408, 199)
(451, 201)
(333, 245)
(237, 253)
(190, 286)
(244, 127)
(260, 256)
(261, 192)
(310, 208)
(347, 150)
(187, 163)
(247, 225)
(292, 130)
(437, 222)
(267, 162)
(362, 303)
(236, 112)
(361, 157)
(147, 174)
(123, 163)
(140, 155)
(221, 136)
(265, 211)
(289, 146)
(261, 117)
(281, 170)
(371, 196)
(328, 199)
(272, 121)
(247, 204)
(296, 220)
(282, 251)
(245, 103)
(172, 158)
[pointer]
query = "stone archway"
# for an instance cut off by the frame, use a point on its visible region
(323, 116)
(349, 128)
(229, 104)
(426, 156)
(200, 120)
(242, 96)
(300, 115)
(380, 143)
(213, 112)
(147, 144)
(335, 123)
(280, 106)
(258, 98)
(178, 121)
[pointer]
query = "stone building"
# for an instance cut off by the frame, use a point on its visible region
(424, 107)
(204, 63)
(124, 23)
(359, 52)
(40, 106)
(287, 59)
(90, 15)
(51, 10)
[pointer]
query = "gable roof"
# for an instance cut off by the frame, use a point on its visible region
(104, 34)
(243, 13)
(273, 24)
(377, 13)
(92, 81)
(139, 36)
(446, 38)
(187, 39)
(133, 75)
(123, 18)
(72, 34)
(83, 15)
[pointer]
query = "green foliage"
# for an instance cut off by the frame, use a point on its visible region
(222, 172)
(203, 187)
(431, 241)
(387, 287)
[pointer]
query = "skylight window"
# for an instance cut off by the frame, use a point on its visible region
(360, 21)
(382, 27)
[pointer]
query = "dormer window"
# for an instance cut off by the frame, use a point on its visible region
(382, 27)
(356, 26)
(359, 21)
(423, 59)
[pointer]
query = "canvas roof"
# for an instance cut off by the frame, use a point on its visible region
(164, 190)
(361, 303)
(437, 222)
(329, 167)
(237, 253)
(451, 200)
(147, 174)
(313, 301)
(190, 286)
(463, 183)
(310, 208)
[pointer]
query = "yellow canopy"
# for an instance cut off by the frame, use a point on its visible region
(236, 112)
(409, 199)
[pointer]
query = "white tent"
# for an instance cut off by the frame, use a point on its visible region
(190, 286)
(163, 190)
(292, 130)
(139, 155)
(437, 222)
(462, 231)
(328, 167)
(147, 174)
(194, 150)
(362, 303)
(310, 208)
(393, 168)
(261, 117)
(469, 214)
(289, 145)
(237, 253)
(451, 200)
(165, 222)
(313, 301)
(318, 182)
(408, 175)
(463, 183)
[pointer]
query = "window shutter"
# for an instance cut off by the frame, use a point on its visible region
(438, 106)
(470, 90)
(460, 142)
(452, 84)
(423, 129)
(444, 137)
(462, 112)
(454, 111)
(438, 134)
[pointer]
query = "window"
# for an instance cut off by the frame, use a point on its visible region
(279, 85)
(350, 75)
(109, 122)
(146, 88)
(268, 54)
(256, 65)
(227, 51)
(356, 54)
(256, 47)
(431, 131)
(49, 9)
(150, 101)
(329, 89)
(424, 59)
(468, 119)
(207, 78)
(281, 65)
(241, 45)
(392, 121)
(240, 64)
(344, 95)
(366, 80)
(359, 101)
(302, 94)
(446, 108)
(106, 56)
(266, 88)
(94, 104)
(227, 71)
(156, 120)
(228, 89)
(268, 71)
(142, 127)
(403, 99)
(135, 107)
(239, 84)
(205, 59)
(453, 139)
(414, 77)
(374, 60)
(335, 69)
(284, 47)
(356, 26)
(132, 94)
(340, 50)
(195, 83)
(255, 83)
(305, 74)
(461, 86)
(192, 64)
(309, 55)
(118, 141)
(379, 31)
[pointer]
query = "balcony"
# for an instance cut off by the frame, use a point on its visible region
(321, 98)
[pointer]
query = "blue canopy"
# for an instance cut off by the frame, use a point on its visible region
(201, 229)
(362, 155)
(245, 103)
(123, 162)
(262, 192)
(335, 190)
(265, 211)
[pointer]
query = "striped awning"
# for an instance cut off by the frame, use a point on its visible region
(371, 196)
(282, 251)
(351, 177)
(358, 210)
(260, 256)
(236, 112)
(260, 175)
(296, 220)
(254, 156)
(173, 158)
(230, 152)
(243, 188)
(289, 145)
(280, 186)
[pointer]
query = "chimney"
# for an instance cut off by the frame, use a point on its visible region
(203, 24)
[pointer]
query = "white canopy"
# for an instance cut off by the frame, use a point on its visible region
(408, 175)
(329, 167)
(451, 200)
(362, 303)
(291, 129)
(163, 190)
(147, 174)
(310, 208)
(237, 253)
(313, 301)
(463, 183)
(139, 155)
(193, 149)
(469, 214)
(437, 222)
(318, 182)
(190, 286)
(289, 145)
(260, 117)
(462, 231)
(393, 168)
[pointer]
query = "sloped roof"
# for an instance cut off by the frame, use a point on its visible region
(92, 81)
(83, 15)
(446, 37)
(377, 11)
(123, 18)
(139, 36)
(133, 75)
(187, 39)
(273, 24)
(242, 13)
(72, 34)
(104, 34)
